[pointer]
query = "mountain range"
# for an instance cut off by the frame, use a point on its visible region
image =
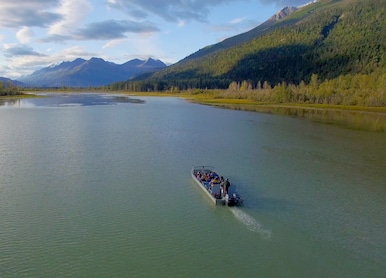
(326, 39)
(89, 73)
(98, 72)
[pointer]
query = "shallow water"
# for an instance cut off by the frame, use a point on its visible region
(351, 119)
(102, 188)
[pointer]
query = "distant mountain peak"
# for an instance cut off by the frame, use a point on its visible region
(93, 72)
(283, 13)
(97, 59)
(79, 60)
(150, 62)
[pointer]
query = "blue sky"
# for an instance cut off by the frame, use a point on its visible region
(38, 33)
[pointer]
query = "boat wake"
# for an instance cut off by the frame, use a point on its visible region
(251, 223)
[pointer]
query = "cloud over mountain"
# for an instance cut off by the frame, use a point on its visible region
(39, 32)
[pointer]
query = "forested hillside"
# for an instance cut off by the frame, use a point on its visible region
(327, 40)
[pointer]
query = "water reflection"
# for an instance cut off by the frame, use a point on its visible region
(370, 121)
(10, 102)
(65, 100)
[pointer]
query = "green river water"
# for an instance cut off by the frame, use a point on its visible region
(99, 186)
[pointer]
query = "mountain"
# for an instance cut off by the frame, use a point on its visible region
(326, 38)
(89, 73)
(234, 41)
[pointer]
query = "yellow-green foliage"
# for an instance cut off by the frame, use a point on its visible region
(9, 89)
(359, 89)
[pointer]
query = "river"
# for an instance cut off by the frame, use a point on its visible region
(95, 185)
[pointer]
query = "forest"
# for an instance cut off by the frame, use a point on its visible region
(349, 90)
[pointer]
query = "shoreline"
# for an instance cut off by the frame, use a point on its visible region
(351, 117)
(359, 118)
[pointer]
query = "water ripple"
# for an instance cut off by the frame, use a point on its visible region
(251, 223)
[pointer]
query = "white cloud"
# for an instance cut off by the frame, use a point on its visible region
(18, 13)
(237, 20)
(145, 46)
(113, 43)
(188, 10)
(169, 10)
(73, 13)
(72, 53)
(284, 3)
(113, 29)
(11, 50)
(24, 35)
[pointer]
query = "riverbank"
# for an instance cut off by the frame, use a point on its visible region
(361, 118)
(353, 117)
(23, 95)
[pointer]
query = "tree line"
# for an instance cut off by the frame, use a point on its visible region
(351, 90)
(8, 89)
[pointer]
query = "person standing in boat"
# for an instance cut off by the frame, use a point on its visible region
(226, 185)
(222, 181)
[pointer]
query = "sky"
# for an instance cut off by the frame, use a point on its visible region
(38, 33)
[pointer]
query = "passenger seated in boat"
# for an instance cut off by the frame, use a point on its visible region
(215, 180)
(213, 175)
